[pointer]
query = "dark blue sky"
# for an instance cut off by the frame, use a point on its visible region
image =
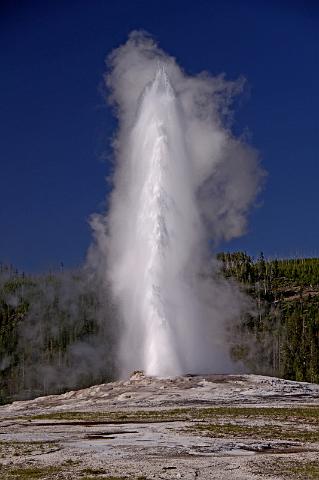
(55, 126)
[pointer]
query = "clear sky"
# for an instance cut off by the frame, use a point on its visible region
(55, 126)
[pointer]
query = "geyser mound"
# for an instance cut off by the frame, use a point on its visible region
(180, 180)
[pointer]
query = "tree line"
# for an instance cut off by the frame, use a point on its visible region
(280, 336)
(57, 333)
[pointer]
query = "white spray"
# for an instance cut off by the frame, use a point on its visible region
(180, 179)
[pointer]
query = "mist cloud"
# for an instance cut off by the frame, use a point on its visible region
(181, 180)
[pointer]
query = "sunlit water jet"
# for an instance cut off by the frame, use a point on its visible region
(163, 234)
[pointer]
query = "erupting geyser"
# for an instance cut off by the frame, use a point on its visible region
(163, 225)
(180, 179)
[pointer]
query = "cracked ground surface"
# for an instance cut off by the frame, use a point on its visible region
(199, 426)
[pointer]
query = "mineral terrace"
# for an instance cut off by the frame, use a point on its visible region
(196, 426)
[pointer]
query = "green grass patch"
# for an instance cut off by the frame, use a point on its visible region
(18, 449)
(113, 478)
(258, 432)
(94, 471)
(103, 478)
(114, 417)
(310, 414)
(58, 472)
(309, 470)
(29, 473)
(290, 470)
(71, 463)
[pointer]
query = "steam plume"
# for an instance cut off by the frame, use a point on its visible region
(181, 179)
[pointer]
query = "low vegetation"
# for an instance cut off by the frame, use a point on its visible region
(22, 449)
(289, 433)
(30, 473)
(65, 471)
(290, 470)
(308, 414)
(58, 473)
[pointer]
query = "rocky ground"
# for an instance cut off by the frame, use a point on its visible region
(202, 426)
